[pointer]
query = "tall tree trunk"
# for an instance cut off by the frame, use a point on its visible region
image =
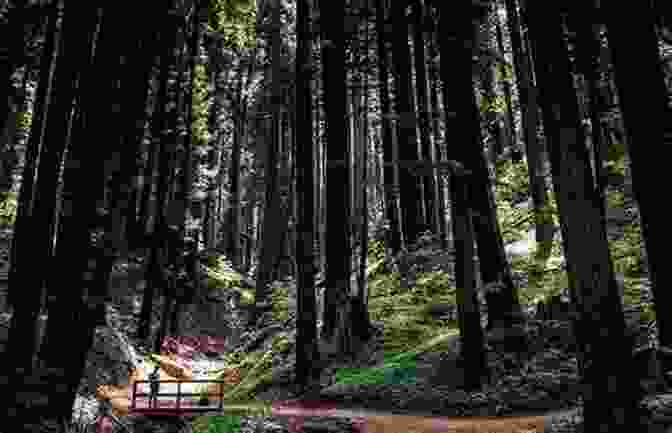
(585, 22)
(409, 184)
(361, 321)
(610, 397)
(73, 323)
(307, 356)
(234, 175)
(462, 120)
(489, 110)
(19, 21)
(390, 172)
(336, 332)
(272, 235)
(500, 291)
(420, 56)
(639, 87)
(27, 306)
(137, 87)
(189, 248)
(434, 84)
(159, 126)
(509, 123)
(75, 313)
(534, 149)
(214, 161)
(19, 253)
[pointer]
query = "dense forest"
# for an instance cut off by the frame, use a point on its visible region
(330, 186)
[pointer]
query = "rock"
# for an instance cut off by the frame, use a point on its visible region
(110, 359)
(173, 368)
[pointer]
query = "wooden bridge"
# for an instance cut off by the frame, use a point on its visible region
(178, 403)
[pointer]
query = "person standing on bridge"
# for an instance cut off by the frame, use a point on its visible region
(153, 386)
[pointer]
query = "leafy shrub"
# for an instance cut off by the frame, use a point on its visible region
(376, 250)
(430, 284)
(280, 304)
(216, 424)
(8, 207)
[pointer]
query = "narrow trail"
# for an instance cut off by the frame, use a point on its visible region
(367, 420)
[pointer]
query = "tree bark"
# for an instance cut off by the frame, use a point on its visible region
(307, 356)
(336, 331)
(272, 234)
(610, 398)
(419, 57)
(462, 119)
(27, 193)
(636, 86)
(409, 185)
(534, 149)
(159, 127)
(390, 171)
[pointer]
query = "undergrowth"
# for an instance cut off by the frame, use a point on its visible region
(401, 311)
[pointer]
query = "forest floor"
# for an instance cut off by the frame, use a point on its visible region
(393, 384)
(378, 391)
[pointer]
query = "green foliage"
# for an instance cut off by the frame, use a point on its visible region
(615, 199)
(383, 285)
(626, 252)
(199, 107)
(398, 368)
(279, 302)
(512, 178)
(23, 120)
(216, 424)
(8, 206)
(235, 20)
(280, 344)
(431, 284)
(615, 153)
(495, 104)
(376, 250)
(648, 313)
(504, 72)
(220, 274)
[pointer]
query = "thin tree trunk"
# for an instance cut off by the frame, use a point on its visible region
(159, 126)
(509, 124)
(394, 239)
(534, 149)
(272, 234)
(234, 176)
(420, 56)
(463, 121)
(409, 184)
(434, 85)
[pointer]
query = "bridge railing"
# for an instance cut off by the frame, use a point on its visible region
(178, 407)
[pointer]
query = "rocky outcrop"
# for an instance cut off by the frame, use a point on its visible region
(111, 360)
